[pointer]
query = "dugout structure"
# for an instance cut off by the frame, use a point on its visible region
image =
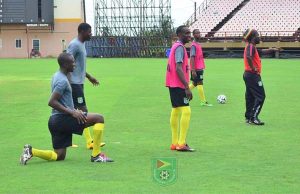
(131, 28)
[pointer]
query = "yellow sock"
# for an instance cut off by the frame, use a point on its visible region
(174, 122)
(87, 135)
(184, 124)
(98, 133)
(191, 86)
(44, 154)
(201, 93)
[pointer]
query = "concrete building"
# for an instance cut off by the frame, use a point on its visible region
(18, 38)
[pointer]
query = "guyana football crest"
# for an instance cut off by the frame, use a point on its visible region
(164, 170)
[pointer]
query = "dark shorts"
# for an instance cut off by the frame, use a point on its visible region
(78, 95)
(254, 86)
(62, 127)
(199, 77)
(178, 97)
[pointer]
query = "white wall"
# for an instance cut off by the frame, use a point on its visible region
(90, 12)
(68, 9)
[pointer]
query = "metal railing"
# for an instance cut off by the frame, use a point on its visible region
(203, 6)
(271, 36)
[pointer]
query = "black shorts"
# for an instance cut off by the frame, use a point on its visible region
(62, 127)
(254, 86)
(199, 77)
(178, 97)
(78, 95)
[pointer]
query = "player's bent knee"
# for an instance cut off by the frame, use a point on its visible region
(61, 157)
(99, 118)
(61, 154)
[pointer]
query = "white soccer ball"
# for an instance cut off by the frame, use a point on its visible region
(221, 99)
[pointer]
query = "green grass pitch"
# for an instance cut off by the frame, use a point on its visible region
(231, 157)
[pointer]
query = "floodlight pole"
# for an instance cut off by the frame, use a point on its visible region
(84, 13)
(195, 9)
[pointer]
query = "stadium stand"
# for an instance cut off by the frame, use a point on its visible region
(278, 20)
(222, 24)
(270, 17)
(214, 13)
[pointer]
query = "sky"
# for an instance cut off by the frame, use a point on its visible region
(181, 10)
